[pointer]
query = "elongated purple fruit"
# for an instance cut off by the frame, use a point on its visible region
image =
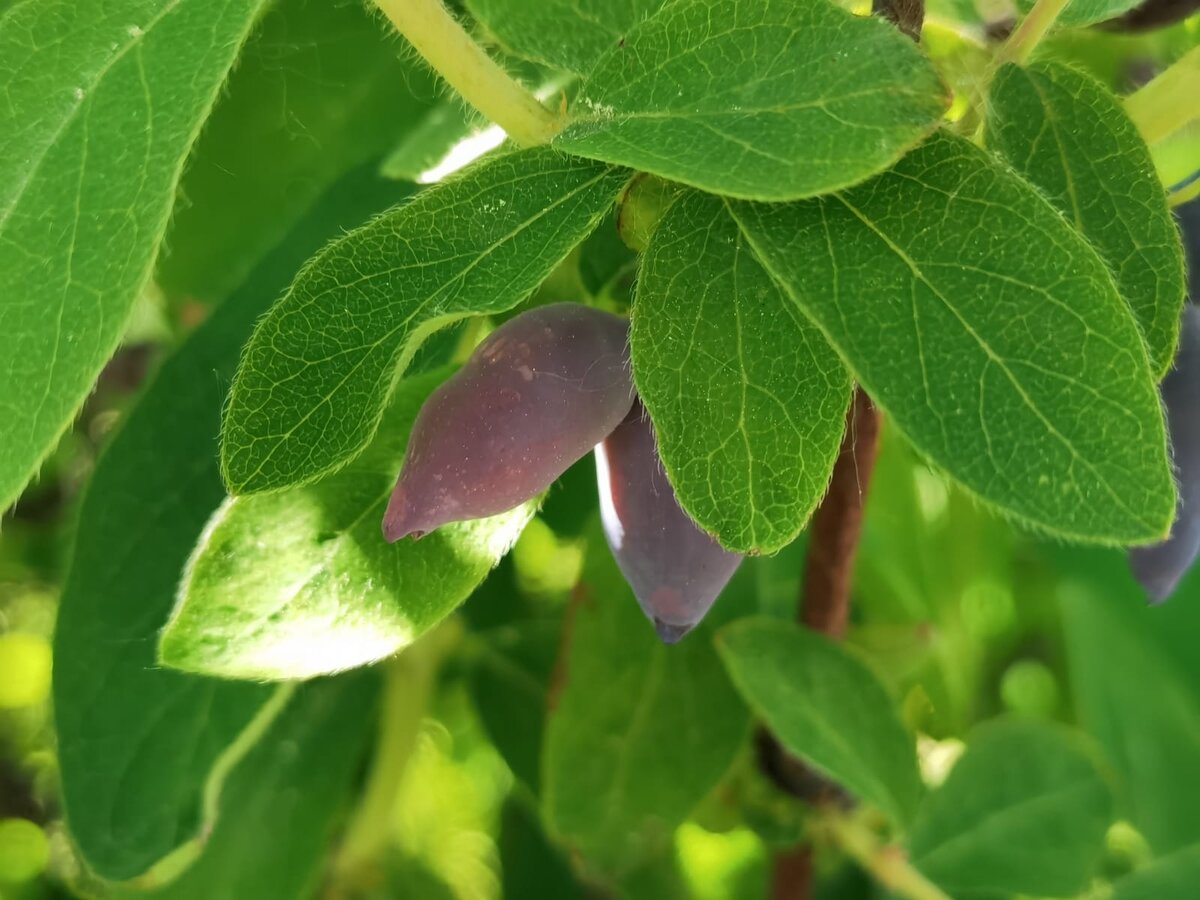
(541, 391)
(1159, 568)
(675, 569)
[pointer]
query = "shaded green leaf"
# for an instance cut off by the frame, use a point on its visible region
(443, 126)
(1136, 703)
(1071, 138)
(990, 332)
(302, 583)
(826, 707)
(567, 34)
(1086, 12)
(509, 676)
(1172, 877)
(772, 100)
(101, 104)
(318, 90)
(531, 866)
(137, 742)
(638, 731)
(1024, 811)
(282, 802)
(748, 400)
(316, 375)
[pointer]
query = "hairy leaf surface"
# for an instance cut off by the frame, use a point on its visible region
(101, 104)
(990, 332)
(747, 397)
(1071, 138)
(826, 707)
(317, 373)
(301, 583)
(772, 100)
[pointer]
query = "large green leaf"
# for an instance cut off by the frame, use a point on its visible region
(282, 802)
(748, 400)
(318, 90)
(1172, 877)
(638, 731)
(568, 34)
(1024, 811)
(990, 332)
(772, 100)
(1071, 138)
(101, 104)
(316, 375)
(137, 742)
(317, 587)
(1135, 702)
(826, 707)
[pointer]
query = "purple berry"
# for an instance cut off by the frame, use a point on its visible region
(1158, 568)
(675, 569)
(542, 390)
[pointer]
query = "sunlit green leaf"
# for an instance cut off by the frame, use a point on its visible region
(826, 707)
(638, 731)
(317, 587)
(316, 375)
(137, 742)
(748, 400)
(1071, 138)
(771, 100)
(990, 333)
(1024, 812)
(1085, 12)
(101, 104)
(1172, 877)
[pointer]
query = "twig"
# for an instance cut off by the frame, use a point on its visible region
(447, 47)
(1167, 103)
(829, 571)
(907, 15)
(1035, 26)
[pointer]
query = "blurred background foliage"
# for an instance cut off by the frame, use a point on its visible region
(964, 617)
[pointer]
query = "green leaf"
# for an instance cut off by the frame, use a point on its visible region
(316, 375)
(638, 732)
(509, 678)
(317, 587)
(531, 866)
(1071, 138)
(772, 100)
(422, 148)
(1086, 12)
(1137, 705)
(567, 34)
(991, 334)
(1172, 877)
(101, 104)
(318, 90)
(826, 707)
(748, 400)
(1024, 811)
(137, 742)
(283, 800)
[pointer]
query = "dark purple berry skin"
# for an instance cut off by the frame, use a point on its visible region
(675, 569)
(535, 396)
(1159, 568)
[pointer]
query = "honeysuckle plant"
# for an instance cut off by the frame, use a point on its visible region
(717, 413)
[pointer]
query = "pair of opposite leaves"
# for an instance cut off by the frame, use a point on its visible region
(539, 393)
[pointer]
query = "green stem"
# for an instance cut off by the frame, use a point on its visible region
(887, 863)
(438, 37)
(1168, 102)
(408, 682)
(1021, 43)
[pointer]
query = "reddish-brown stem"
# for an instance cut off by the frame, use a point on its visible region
(825, 608)
(833, 542)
